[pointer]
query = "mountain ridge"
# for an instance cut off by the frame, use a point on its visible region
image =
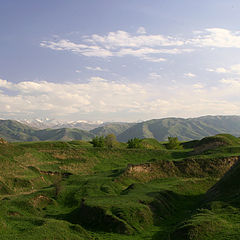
(184, 128)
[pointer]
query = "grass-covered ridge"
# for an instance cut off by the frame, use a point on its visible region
(72, 190)
(160, 129)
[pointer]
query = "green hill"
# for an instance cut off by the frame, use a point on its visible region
(184, 129)
(160, 129)
(14, 131)
(115, 128)
(218, 216)
(118, 193)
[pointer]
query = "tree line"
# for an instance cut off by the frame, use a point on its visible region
(110, 141)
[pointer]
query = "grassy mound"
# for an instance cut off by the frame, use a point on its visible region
(219, 216)
(219, 140)
(151, 143)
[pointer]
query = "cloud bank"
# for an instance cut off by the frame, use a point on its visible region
(64, 100)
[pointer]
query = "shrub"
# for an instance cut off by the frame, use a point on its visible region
(98, 141)
(134, 143)
(110, 140)
(173, 143)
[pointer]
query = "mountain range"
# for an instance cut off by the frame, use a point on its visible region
(160, 129)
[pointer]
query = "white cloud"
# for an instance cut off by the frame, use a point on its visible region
(198, 86)
(234, 69)
(189, 75)
(59, 100)
(98, 95)
(85, 50)
(154, 75)
(5, 84)
(124, 39)
(216, 37)
(154, 59)
(96, 69)
(141, 30)
(145, 46)
(231, 82)
(218, 70)
(120, 44)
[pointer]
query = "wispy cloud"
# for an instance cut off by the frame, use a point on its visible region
(234, 69)
(190, 75)
(120, 44)
(150, 47)
(124, 39)
(96, 69)
(85, 50)
(141, 30)
(154, 75)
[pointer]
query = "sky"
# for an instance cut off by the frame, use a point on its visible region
(111, 60)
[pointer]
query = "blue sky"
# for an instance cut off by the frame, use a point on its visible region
(115, 60)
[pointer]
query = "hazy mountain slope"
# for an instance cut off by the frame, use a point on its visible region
(115, 128)
(14, 131)
(55, 124)
(184, 129)
(161, 129)
(63, 134)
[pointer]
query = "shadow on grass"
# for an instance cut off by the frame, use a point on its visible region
(167, 210)
(183, 207)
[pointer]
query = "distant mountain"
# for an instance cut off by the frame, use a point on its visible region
(15, 131)
(184, 129)
(160, 129)
(115, 128)
(55, 124)
(12, 130)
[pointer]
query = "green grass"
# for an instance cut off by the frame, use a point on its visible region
(70, 190)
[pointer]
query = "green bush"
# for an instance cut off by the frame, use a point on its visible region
(134, 143)
(173, 143)
(98, 141)
(110, 141)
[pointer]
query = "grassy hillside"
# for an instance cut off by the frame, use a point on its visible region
(118, 193)
(218, 215)
(14, 131)
(114, 128)
(184, 129)
(160, 129)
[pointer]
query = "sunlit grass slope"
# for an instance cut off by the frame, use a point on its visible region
(70, 190)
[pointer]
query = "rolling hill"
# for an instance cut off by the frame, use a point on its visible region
(14, 131)
(115, 128)
(184, 129)
(119, 193)
(160, 129)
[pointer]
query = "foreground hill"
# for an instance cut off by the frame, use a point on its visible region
(119, 193)
(15, 131)
(184, 129)
(218, 215)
